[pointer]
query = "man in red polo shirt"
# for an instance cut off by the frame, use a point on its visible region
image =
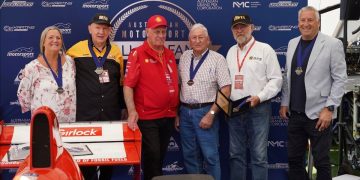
(152, 95)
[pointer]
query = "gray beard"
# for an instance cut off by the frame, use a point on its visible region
(241, 39)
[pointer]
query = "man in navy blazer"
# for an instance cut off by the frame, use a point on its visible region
(314, 81)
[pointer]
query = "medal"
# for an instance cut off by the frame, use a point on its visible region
(60, 90)
(190, 82)
(99, 70)
(298, 70)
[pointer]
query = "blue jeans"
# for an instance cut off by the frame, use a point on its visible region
(199, 144)
(250, 130)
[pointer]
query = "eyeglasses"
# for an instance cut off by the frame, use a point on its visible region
(197, 38)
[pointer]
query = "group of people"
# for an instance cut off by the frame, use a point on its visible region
(87, 83)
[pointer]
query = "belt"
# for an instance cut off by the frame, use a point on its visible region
(197, 105)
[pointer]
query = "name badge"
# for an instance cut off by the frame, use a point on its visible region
(239, 82)
(104, 77)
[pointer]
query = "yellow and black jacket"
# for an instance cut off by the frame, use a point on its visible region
(98, 101)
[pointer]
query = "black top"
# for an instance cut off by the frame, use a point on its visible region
(297, 91)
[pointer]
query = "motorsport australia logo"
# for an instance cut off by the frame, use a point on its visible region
(97, 4)
(281, 50)
(173, 145)
(283, 4)
(65, 28)
(56, 4)
(173, 167)
(130, 22)
(22, 52)
(18, 28)
(17, 4)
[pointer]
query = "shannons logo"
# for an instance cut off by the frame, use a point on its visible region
(81, 131)
(282, 27)
(19, 77)
(65, 28)
(281, 50)
(173, 145)
(283, 4)
(18, 28)
(278, 122)
(17, 4)
(128, 29)
(279, 166)
(56, 4)
(277, 144)
(246, 4)
(208, 5)
(14, 103)
(97, 4)
(131, 171)
(172, 167)
(22, 52)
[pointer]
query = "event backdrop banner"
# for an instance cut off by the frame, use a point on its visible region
(23, 21)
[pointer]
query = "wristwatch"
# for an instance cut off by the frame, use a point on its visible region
(212, 112)
(331, 108)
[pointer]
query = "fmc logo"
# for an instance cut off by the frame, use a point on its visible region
(81, 131)
(130, 22)
(246, 4)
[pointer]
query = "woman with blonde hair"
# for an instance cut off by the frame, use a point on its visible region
(49, 80)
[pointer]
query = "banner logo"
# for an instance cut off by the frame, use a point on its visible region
(246, 4)
(281, 50)
(283, 4)
(21, 52)
(208, 5)
(129, 25)
(81, 131)
(282, 27)
(19, 77)
(17, 4)
(65, 28)
(56, 4)
(18, 28)
(97, 4)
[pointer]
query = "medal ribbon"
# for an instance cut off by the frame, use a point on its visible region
(243, 60)
(194, 71)
(302, 55)
(57, 78)
(99, 62)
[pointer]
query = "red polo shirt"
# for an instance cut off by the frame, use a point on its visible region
(154, 81)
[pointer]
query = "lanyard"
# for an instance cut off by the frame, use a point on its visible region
(57, 78)
(243, 60)
(194, 71)
(300, 55)
(99, 62)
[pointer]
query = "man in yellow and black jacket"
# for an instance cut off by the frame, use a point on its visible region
(99, 78)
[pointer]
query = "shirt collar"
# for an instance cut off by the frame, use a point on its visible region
(247, 46)
(199, 57)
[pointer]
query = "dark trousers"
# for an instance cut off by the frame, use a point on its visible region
(155, 139)
(300, 129)
(90, 172)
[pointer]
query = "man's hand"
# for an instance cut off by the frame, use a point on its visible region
(254, 101)
(207, 121)
(132, 120)
(324, 121)
(283, 112)
(177, 123)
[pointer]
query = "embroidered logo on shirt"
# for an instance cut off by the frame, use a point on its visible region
(255, 58)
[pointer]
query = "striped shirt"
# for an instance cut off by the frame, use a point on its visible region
(212, 75)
